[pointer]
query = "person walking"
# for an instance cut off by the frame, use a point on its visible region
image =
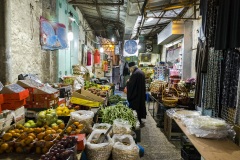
(136, 91)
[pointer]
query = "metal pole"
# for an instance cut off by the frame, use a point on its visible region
(7, 28)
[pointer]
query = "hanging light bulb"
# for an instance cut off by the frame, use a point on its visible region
(139, 46)
(101, 50)
(70, 33)
(112, 39)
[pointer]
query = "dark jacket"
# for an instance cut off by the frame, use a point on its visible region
(136, 91)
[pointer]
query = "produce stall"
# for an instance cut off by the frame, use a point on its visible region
(65, 130)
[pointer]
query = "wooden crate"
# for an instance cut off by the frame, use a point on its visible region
(168, 128)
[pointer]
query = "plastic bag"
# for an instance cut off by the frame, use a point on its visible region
(207, 127)
(99, 151)
(121, 127)
(124, 148)
(180, 114)
(101, 126)
(83, 116)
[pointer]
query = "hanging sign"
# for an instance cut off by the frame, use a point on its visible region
(130, 48)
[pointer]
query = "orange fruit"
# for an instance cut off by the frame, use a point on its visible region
(55, 128)
(69, 129)
(59, 131)
(61, 125)
(19, 149)
(80, 126)
(7, 136)
(4, 146)
(48, 131)
(32, 134)
(76, 123)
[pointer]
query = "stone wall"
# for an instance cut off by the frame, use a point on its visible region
(26, 55)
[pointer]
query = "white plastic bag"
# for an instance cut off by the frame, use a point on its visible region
(83, 116)
(207, 127)
(121, 127)
(124, 148)
(101, 151)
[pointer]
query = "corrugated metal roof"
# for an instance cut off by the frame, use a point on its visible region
(133, 18)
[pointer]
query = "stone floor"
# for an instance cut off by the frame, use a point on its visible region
(155, 143)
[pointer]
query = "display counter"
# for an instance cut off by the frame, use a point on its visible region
(213, 149)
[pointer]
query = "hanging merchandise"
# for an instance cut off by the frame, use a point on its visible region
(230, 75)
(237, 115)
(96, 56)
(130, 48)
(105, 66)
(89, 58)
(228, 25)
(211, 82)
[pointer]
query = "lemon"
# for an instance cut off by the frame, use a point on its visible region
(59, 112)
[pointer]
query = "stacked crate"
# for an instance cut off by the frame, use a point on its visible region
(41, 96)
(14, 97)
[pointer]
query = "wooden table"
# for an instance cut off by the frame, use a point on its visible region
(213, 149)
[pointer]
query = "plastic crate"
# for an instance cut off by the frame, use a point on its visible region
(190, 153)
(16, 96)
(13, 105)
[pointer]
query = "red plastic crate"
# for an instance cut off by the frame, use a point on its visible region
(12, 105)
(16, 96)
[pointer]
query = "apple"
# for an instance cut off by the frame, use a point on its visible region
(59, 121)
(28, 125)
(54, 124)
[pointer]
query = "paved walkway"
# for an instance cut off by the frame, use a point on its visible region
(155, 143)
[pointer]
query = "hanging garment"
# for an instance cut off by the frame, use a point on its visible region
(211, 81)
(200, 67)
(96, 57)
(210, 28)
(89, 58)
(237, 113)
(203, 13)
(228, 25)
(230, 81)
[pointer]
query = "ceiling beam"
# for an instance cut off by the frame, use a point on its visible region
(75, 2)
(162, 14)
(173, 6)
(173, 18)
(111, 21)
(159, 25)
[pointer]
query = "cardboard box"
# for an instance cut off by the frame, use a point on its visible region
(42, 104)
(88, 94)
(29, 83)
(14, 92)
(13, 105)
(79, 95)
(81, 141)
